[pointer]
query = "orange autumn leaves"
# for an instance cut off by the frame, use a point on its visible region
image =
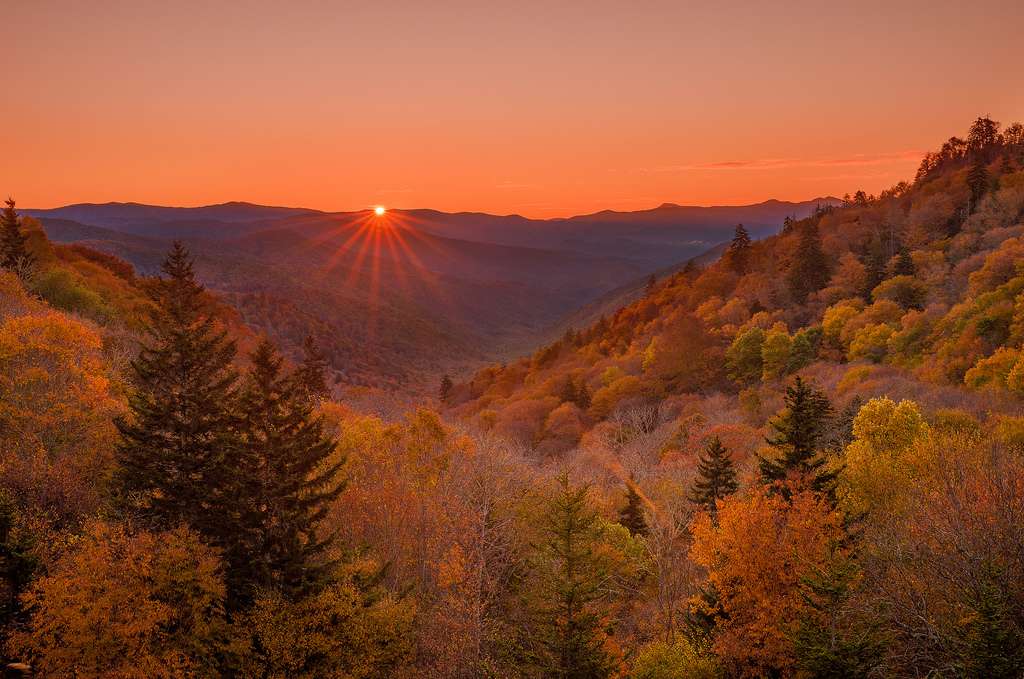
(756, 557)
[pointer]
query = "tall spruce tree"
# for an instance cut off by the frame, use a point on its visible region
(796, 434)
(569, 393)
(904, 265)
(288, 479)
(833, 642)
(178, 443)
(311, 375)
(14, 254)
(874, 270)
(583, 397)
(977, 182)
(570, 584)
(716, 476)
(444, 392)
(809, 271)
(632, 515)
(739, 251)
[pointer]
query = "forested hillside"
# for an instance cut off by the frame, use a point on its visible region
(805, 459)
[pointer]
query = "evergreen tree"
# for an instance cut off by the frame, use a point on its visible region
(788, 224)
(632, 515)
(288, 479)
(796, 433)
(904, 265)
(17, 564)
(14, 254)
(830, 642)
(809, 271)
(570, 582)
(311, 376)
(177, 446)
(977, 182)
(569, 392)
(583, 396)
(993, 643)
(444, 392)
(651, 283)
(716, 476)
(1006, 165)
(874, 271)
(739, 251)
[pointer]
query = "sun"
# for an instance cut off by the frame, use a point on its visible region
(379, 210)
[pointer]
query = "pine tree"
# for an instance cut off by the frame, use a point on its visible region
(444, 392)
(570, 581)
(810, 270)
(288, 480)
(904, 264)
(652, 281)
(311, 376)
(830, 642)
(977, 182)
(739, 251)
(632, 515)
(1006, 165)
(583, 396)
(14, 254)
(796, 433)
(177, 446)
(874, 270)
(18, 564)
(716, 476)
(993, 643)
(569, 392)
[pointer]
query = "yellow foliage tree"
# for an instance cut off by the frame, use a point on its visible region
(126, 605)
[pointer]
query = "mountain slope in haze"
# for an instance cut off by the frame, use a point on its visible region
(658, 238)
(400, 298)
(225, 220)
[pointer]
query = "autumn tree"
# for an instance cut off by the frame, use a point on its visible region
(795, 436)
(14, 254)
(570, 582)
(756, 555)
(809, 271)
(123, 603)
(632, 515)
(739, 251)
(311, 375)
(716, 476)
(352, 629)
(177, 444)
(287, 478)
(743, 359)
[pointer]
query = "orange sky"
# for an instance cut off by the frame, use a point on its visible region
(539, 108)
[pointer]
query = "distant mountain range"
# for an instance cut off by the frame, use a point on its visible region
(397, 299)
